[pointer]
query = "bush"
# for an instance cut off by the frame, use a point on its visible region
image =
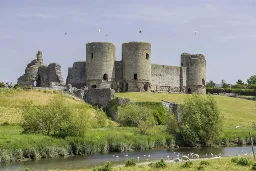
(130, 163)
(254, 166)
(187, 164)
(16, 86)
(27, 87)
(106, 167)
(245, 92)
(2, 85)
(241, 161)
(204, 162)
(172, 124)
(160, 164)
(201, 122)
(55, 119)
(244, 161)
(135, 115)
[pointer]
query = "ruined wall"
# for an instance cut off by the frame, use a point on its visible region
(31, 75)
(39, 75)
(100, 62)
(77, 75)
(168, 78)
(99, 97)
(118, 84)
(196, 72)
(136, 58)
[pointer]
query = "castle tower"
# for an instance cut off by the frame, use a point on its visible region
(100, 60)
(196, 72)
(136, 58)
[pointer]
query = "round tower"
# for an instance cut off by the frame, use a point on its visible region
(195, 73)
(136, 58)
(100, 61)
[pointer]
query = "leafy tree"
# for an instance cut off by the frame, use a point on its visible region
(2, 85)
(240, 82)
(224, 84)
(136, 115)
(252, 80)
(211, 84)
(201, 120)
(54, 119)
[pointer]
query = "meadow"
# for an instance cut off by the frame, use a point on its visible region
(102, 134)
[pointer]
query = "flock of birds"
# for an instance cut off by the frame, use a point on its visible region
(176, 157)
(140, 31)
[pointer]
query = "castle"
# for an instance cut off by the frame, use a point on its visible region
(134, 73)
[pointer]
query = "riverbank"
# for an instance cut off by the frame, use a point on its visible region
(206, 164)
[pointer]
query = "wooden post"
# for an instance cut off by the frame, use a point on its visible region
(252, 145)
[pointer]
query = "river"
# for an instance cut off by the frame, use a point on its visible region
(78, 162)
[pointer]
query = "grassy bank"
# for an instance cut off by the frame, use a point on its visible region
(235, 111)
(219, 164)
(16, 146)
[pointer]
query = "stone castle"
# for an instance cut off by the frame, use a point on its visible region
(134, 73)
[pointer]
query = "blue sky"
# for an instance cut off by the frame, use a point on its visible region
(226, 32)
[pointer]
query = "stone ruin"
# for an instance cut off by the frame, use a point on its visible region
(39, 75)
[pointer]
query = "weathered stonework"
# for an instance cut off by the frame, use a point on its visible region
(39, 75)
(99, 96)
(135, 73)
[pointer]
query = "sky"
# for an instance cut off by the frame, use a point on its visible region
(226, 32)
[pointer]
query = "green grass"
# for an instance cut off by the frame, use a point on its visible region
(234, 110)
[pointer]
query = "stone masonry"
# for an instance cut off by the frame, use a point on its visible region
(39, 75)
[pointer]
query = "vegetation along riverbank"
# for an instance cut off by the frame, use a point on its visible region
(32, 125)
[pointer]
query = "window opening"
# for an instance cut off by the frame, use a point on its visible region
(94, 86)
(135, 76)
(189, 90)
(203, 82)
(105, 77)
(92, 55)
(147, 56)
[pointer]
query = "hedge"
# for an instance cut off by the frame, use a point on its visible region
(244, 92)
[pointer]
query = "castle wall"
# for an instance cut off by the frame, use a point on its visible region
(77, 75)
(100, 61)
(118, 84)
(136, 58)
(168, 78)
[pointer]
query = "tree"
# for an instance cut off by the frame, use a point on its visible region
(252, 80)
(54, 119)
(211, 84)
(224, 84)
(201, 122)
(240, 82)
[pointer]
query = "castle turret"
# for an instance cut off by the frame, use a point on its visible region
(136, 58)
(100, 61)
(196, 72)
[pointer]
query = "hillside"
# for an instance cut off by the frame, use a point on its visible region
(11, 102)
(234, 110)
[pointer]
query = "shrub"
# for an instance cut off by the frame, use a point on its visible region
(244, 161)
(135, 115)
(2, 85)
(201, 167)
(234, 159)
(254, 166)
(27, 87)
(55, 119)
(160, 164)
(172, 124)
(201, 122)
(16, 86)
(245, 92)
(204, 162)
(106, 167)
(130, 163)
(187, 164)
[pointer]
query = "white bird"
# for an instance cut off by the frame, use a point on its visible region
(126, 155)
(117, 156)
(237, 126)
(138, 158)
(144, 155)
(149, 155)
(99, 30)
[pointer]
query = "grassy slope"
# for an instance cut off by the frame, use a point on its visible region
(221, 164)
(11, 102)
(235, 111)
